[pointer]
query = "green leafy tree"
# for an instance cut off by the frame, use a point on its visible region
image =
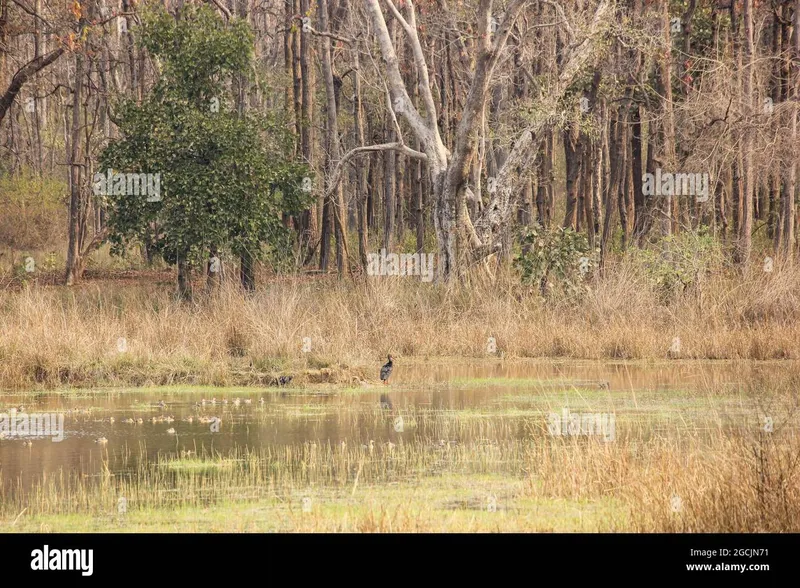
(558, 258)
(224, 178)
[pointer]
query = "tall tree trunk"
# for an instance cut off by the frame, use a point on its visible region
(640, 227)
(587, 192)
(664, 84)
(788, 228)
(74, 269)
(334, 201)
(291, 63)
(389, 177)
(745, 237)
(545, 188)
(184, 278)
(247, 271)
(626, 186)
(400, 195)
(774, 218)
(37, 110)
(618, 163)
(363, 171)
(572, 151)
(310, 217)
(419, 203)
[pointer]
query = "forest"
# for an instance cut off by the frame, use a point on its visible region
(400, 265)
(437, 128)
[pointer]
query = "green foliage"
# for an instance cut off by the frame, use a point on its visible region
(197, 51)
(679, 261)
(554, 259)
(226, 178)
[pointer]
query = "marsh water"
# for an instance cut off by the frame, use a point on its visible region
(427, 402)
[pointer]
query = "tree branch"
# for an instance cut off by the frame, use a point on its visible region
(396, 85)
(222, 8)
(23, 75)
(317, 33)
(336, 175)
(410, 27)
(32, 12)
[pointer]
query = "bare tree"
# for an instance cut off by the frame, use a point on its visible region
(462, 241)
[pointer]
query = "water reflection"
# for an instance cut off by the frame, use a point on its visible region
(386, 402)
(428, 402)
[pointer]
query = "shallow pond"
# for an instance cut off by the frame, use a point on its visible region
(428, 402)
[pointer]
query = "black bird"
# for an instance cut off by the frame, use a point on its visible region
(284, 380)
(386, 371)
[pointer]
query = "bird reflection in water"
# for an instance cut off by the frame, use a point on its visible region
(386, 402)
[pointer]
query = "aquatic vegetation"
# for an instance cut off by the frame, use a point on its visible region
(551, 454)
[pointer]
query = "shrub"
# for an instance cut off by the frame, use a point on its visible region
(680, 261)
(554, 259)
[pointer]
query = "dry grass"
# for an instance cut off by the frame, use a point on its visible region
(740, 483)
(51, 335)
